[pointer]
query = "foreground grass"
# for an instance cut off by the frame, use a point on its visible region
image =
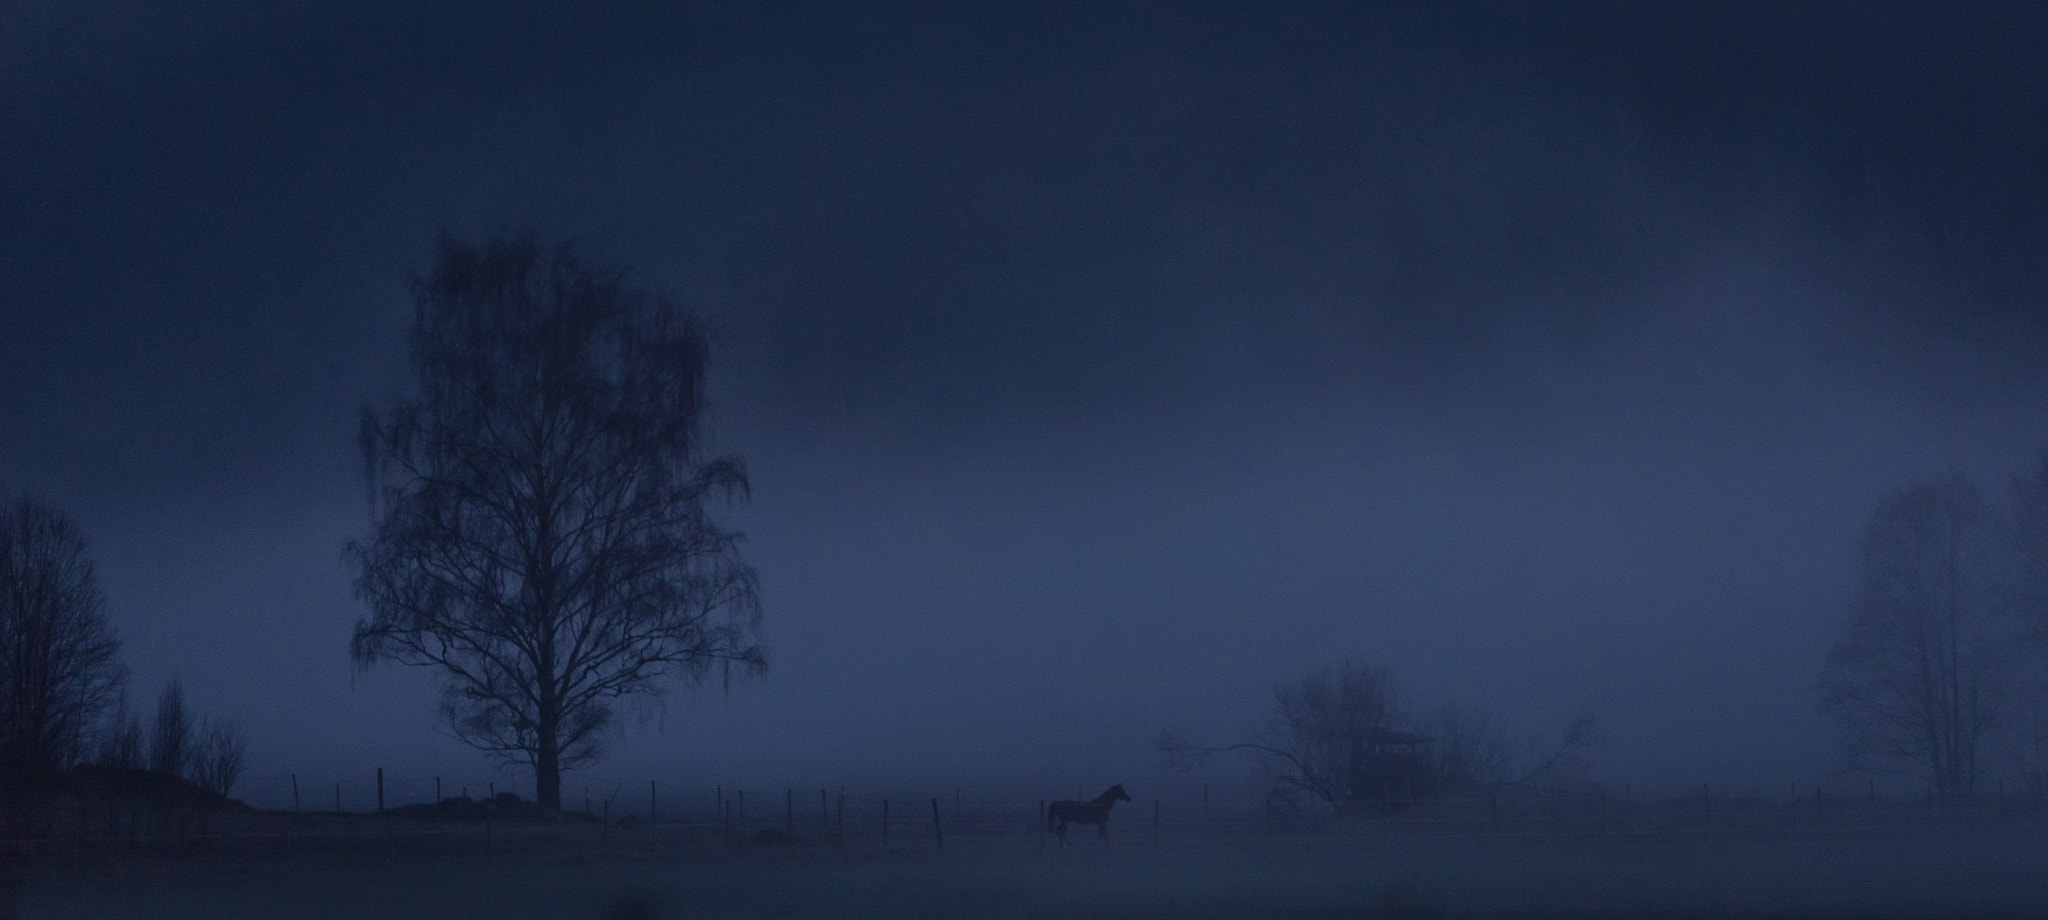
(1927, 873)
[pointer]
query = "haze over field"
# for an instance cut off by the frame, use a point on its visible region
(1097, 368)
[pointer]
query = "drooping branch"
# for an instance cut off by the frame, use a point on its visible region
(542, 539)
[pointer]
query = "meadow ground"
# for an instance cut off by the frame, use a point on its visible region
(1922, 872)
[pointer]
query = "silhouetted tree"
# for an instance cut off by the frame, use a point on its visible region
(1335, 730)
(170, 737)
(1917, 681)
(2027, 532)
(59, 660)
(217, 758)
(1470, 749)
(121, 743)
(540, 532)
(1342, 735)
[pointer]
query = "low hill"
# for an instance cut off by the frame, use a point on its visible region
(100, 784)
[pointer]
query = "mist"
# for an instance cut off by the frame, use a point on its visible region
(1096, 370)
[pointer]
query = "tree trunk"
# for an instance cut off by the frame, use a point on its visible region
(547, 769)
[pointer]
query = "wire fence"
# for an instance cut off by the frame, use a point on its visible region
(375, 809)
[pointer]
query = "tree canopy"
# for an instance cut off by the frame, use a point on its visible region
(60, 663)
(541, 534)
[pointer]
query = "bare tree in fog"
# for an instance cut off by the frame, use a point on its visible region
(1917, 682)
(2027, 530)
(59, 664)
(121, 742)
(1327, 732)
(1472, 749)
(541, 534)
(1342, 736)
(2027, 537)
(170, 736)
(218, 755)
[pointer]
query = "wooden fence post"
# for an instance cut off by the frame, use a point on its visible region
(380, 789)
(295, 793)
(842, 820)
(938, 836)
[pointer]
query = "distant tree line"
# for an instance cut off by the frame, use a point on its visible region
(63, 687)
(209, 753)
(1940, 675)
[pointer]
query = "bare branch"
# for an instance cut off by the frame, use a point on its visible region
(59, 660)
(540, 536)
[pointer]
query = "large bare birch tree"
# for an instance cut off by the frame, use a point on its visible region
(541, 533)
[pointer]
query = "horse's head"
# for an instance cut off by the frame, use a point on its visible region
(1116, 793)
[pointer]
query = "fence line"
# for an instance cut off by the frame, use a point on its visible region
(719, 814)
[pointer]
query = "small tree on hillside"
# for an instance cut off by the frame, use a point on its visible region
(170, 736)
(217, 758)
(1917, 681)
(59, 660)
(121, 743)
(541, 535)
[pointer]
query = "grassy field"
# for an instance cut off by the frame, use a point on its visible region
(582, 872)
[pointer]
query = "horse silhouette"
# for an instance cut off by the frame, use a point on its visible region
(1062, 813)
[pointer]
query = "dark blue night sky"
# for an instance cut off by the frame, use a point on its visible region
(1098, 366)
